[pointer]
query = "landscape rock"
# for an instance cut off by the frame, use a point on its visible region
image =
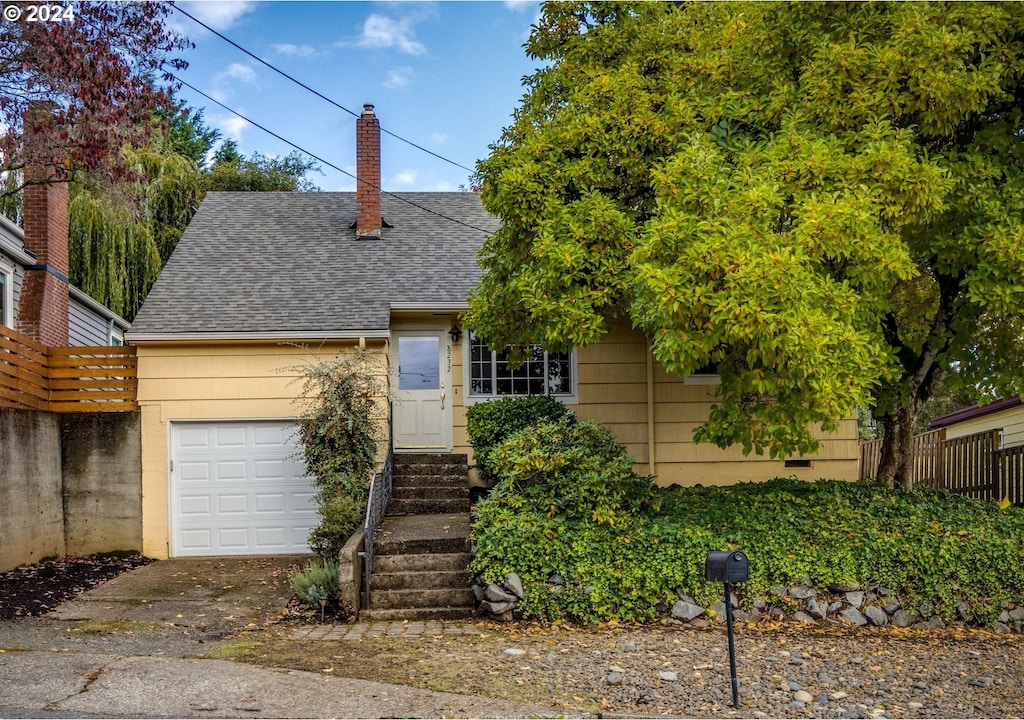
(496, 608)
(718, 610)
(801, 592)
(803, 696)
(668, 676)
(684, 597)
(802, 617)
(854, 598)
(816, 610)
(891, 605)
(900, 619)
(932, 623)
(1017, 614)
(513, 583)
(496, 594)
(555, 579)
(876, 615)
(613, 678)
(843, 587)
(478, 593)
(853, 616)
(687, 611)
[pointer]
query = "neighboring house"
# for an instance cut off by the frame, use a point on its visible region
(70, 318)
(1007, 416)
(261, 283)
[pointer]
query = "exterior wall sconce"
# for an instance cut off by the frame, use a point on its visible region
(455, 332)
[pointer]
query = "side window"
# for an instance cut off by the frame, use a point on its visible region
(544, 372)
(6, 294)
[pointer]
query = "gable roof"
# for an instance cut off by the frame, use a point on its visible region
(266, 265)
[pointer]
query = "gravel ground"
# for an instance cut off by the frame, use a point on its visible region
(790, 671)
(785, 669)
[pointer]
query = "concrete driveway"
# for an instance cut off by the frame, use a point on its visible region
(128, 649)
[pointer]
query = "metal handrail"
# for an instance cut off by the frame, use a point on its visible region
(376, 506)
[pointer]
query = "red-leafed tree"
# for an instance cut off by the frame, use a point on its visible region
(102, 67)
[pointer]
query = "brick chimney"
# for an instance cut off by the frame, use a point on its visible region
(368, 207)
(43, 309)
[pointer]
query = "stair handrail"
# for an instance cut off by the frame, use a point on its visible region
(376, 506)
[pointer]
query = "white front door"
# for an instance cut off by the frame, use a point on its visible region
(420, 380)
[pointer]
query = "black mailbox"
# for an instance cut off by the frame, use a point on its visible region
(727, 567)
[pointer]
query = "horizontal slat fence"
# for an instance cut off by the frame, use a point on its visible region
(24, 366)
(972, 465)
(66, 379)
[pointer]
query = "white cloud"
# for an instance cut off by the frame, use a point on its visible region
(520, 5)
(303, 51)
(239, 72)
(399, 77)
(442, 186)
(220, 15)
(406, 177)
(380, 31)
(438, 138)
(232, 126)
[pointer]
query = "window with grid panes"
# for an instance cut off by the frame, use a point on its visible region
(544, 372)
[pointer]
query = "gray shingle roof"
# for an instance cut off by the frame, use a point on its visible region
(288, 263)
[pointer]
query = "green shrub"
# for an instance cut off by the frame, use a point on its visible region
(571, 469)
(340, 516)
(931, 549)
(488, 423)
(339, 445)
(318, 581)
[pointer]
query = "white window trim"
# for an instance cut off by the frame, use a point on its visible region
(7, 270)
(467, 382)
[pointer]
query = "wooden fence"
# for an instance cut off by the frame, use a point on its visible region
(66, 379)
(972, 465)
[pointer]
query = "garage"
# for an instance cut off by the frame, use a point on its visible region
(239, 488)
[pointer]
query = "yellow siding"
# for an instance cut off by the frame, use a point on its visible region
(612, 389)
(245, 381)
(1010, 421)
(254, 381)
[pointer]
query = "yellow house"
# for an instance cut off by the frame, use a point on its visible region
(263, 283)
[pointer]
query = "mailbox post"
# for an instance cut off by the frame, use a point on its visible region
(728, 567)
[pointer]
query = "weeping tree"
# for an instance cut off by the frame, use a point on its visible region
(117, 246)
(824, 201)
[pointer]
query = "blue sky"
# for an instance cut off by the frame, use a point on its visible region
(444, 75)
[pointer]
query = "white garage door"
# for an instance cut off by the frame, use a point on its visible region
(239, 488)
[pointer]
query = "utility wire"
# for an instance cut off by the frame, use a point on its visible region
(307, 87)
(325, 162)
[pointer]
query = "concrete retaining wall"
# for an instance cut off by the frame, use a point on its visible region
(31, 486)
(69, 484)
(102, 464)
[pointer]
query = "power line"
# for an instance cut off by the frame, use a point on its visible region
(325, 162)
(307, 87)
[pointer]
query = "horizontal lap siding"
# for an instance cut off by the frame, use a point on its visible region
(613, 390)
(1010, 421)
(214, 382)
(85, 327)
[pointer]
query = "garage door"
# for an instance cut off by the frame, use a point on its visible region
(239, 488)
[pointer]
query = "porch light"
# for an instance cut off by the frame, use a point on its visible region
(455, 332)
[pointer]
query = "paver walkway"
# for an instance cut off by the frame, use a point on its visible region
(358, 631)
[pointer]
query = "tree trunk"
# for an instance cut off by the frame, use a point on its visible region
(895, 462)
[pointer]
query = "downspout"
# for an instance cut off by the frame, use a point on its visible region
(650, 409)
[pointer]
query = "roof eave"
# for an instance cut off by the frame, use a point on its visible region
(200, 337)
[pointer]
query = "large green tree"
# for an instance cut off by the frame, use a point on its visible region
(823, 200)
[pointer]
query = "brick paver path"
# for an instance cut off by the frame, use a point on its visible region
(357, 631)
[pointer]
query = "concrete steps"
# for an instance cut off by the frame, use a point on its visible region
(425, 484)
(421, 550)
